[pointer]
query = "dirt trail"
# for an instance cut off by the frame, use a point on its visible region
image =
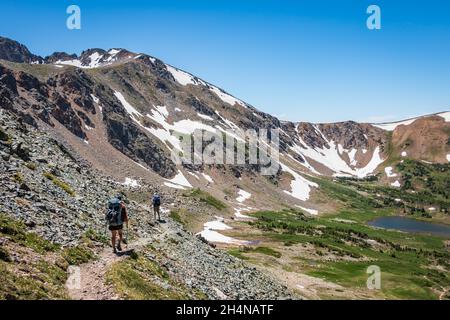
(92, 284)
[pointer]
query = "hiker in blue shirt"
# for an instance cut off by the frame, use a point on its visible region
(156, 201)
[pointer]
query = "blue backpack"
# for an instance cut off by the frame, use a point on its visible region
(114, 212)
(156, 200)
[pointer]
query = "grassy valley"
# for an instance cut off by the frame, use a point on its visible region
(338, 247)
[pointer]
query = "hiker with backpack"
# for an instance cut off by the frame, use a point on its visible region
(156, 202)
(116, 215)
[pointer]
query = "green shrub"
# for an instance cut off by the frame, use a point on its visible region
(16, 231)
(205, 197)
(18, 177)
(267, 251)
(96, 236)
(59, 183)
(175, 215)
(4, 255)
(48, 283)
(31, 165)
(135, 279)
(77, 255)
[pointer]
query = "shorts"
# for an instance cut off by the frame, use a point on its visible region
(113, 228)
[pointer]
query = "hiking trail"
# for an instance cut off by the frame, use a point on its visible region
(93, 284)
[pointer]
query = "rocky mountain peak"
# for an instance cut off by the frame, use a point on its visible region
(92, 58)
(11, 50)
(60, 56)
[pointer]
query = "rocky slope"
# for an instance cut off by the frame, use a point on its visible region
(13, 51)
(60, 198)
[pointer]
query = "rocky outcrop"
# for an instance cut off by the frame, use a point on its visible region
(59, 56)
(126, 137)
(11, 50)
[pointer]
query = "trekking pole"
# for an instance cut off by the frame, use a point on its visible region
(125, 237)
(106, 228)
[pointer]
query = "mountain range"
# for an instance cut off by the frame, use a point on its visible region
(121, 114)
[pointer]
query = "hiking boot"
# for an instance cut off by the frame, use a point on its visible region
(114, 250)
(119, 247)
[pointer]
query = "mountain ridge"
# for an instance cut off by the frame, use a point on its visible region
(78, 130)
(50, 59)
(125, 106)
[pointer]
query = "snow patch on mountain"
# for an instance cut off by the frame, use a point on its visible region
(95, 99)
(329, 157)
(205, 117)
(185, 126)
(391, 126)
(180, 180)
(194, 175)
(374, 162)
(94, 62)
(210, 234)
(243, 195)
(310, 211)
(113, 52)
(396, 184)
(131, 183)
(214, 236)
(74, 63)
(229, 123)
(181, 77)
(128, 107)
(163, 111)
(389, 172)
(445, 115)
(225, 97)
(305, 164)
(300, 187)
(207, 178)
(217, 224)
(352, 155)
(239, 215)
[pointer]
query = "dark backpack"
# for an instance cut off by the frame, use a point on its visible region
(114, 212)
(156, 200)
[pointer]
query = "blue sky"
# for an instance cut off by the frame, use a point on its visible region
(299, 60)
